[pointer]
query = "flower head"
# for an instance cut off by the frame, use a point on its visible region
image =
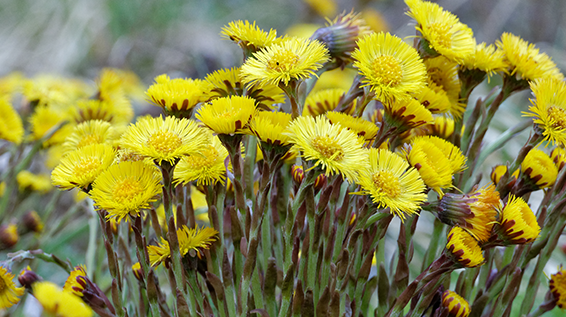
(405, 114)
(72, 284)
(9, 293)
(485, 58)
(80, 167)
(59, 303)
(558, 156)
(463, 248)
(549, 108)
(8, 235)
(392, 183)
(162, 139)
(227, 82)
(341, 34)
(206, 167)
(189, 239)
(360, 126)
(525, 61)
(321, 101)
(391, 68)
(32, 221)
(557, 286)
(291, 59)
(335, 149)
(455, 304)
(518, 222)
(125, 188)
(105, 110)
(87, 133)
(249, 36)
(270, 127)
(11, 127)
(476, 212)
(177, 96)
(443, 32)
(43, 120)
(227, 115)
(539, 168)
(35, 182)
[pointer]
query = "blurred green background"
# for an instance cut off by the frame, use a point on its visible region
(181, 38)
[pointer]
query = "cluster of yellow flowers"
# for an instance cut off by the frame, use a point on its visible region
(396, 139)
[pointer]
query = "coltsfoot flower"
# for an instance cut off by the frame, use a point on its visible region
(525, 60)
(249, 36)
(177, 96)
(360, 126)
(126, 188)
(392, 183)
(335, 149)
(9, 293)
(321, 101)
(11, 126)
(463, 248)
(291, 59)
(271, 127)
(72, 284)
(87, 133)
(189, 239)
(206, 167)
(164, 139)
(59, 303)
(442, 30)
(391, 68)
(228, 115)
(539, 168)
(455, 304)
(404, 114)
(518, 224)
(557, 286)
(549, 108)
(79, 168)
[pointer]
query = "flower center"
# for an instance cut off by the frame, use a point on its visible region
(126, 190)
(441, 33)
(86, 166)
(387, 183)
(283, 61)
(89, 139)
(164, 141)
(558, 115)
(206, 159)
(328, 147)
(387, 70)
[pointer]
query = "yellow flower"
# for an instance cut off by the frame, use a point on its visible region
(227, 115)
(11, 127)
(557, 286)
(125, 188)
(72, 284)
(87, 133)
(44, 119)
(48, 90)
(539, 168)
(79, 168)
(390, 66)
(463, 248)
(443, 127)
(250, 37)
(8, 236)
(189, 239)
(442, 30)
(443, 77)
(360, 126)
(59, 303)
(227, 82)
(405, 114)
(486, 59)
(525, 61)
(9, 293)
(270, 127)
(35, 182)
(392, 183)
(434, 98)
(177, 96)
(549, 108)
(206, 168)
(475, 212)
(324, 8)
(455, 304)
(162, 139)
(321, 101)
(452, 152)
(291, 59)
(105, 110)
(138, 271)
(558, 156)
(433, 162)
(518, 222)
(335, 149)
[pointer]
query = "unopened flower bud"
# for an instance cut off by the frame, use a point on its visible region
(455, 304)
(8, 236)
(138, 271)
(539, 169)
(32, 222)
(320, 182)
(27, 277)
(463, 248)
(518, 224)
(298, 173)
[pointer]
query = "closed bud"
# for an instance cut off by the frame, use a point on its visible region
(27, 277)
(8, 236)
(320, 182)
(32, 222)
(138, 271)
(455, 304)
(298, 173)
